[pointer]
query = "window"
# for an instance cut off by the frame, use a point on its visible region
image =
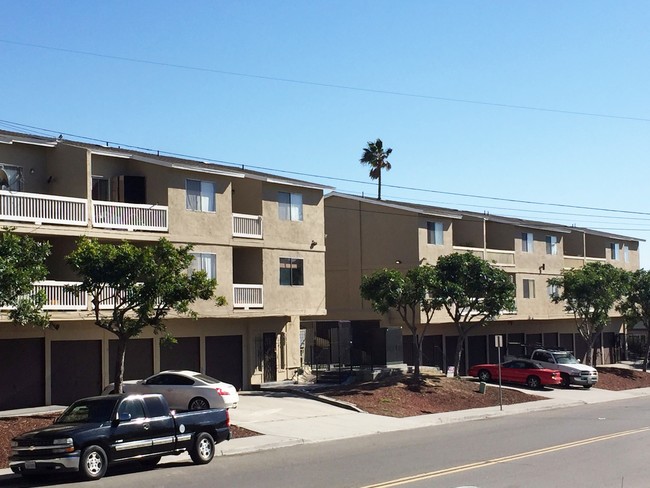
(529, 288)
(101, 189)
(132, 407)
(626, 253)
(205, 262)
(527, 242)
(552, 290)
(11, 177)
(614, 248)
(435, 233)
(291, 272)
(289, 206)
(551, 245)
(200, 195)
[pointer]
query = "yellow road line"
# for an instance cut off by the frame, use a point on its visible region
(506, 459)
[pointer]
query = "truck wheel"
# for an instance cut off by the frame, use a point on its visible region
(533, 382)
(198, 403)
(484, 375)
(203, 450)
(93, 463)
(566, 380)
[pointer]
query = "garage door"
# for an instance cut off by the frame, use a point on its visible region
(22, 373)
(76, 370)
(182, 355)
(224, 359)
(138, 362)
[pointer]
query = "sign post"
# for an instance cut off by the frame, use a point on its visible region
(498, 342)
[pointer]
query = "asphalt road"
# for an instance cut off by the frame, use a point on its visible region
(602, 445)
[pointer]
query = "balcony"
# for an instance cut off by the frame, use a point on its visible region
(249, 226)
(58, 296)
(494, 256)
(248, 296)
(573, 262)
(42, 209)
(130, 216)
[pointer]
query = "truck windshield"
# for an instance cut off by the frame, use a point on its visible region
(89, 411)
(565, 358)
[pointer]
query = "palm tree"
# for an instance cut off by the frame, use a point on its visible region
(377, 158)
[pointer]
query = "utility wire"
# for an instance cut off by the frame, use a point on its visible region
(328, 85)
(333, 178)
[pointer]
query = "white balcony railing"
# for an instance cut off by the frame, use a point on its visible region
(248, 296)
(129, 216)
(476, 251)
(42, 209)
(59, 297)
(244, 225)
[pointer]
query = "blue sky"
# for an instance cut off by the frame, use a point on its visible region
(301, 86)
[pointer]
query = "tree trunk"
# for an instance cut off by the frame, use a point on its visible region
(118, 379)
(417, 353)
(459, 354)
(379, 185)
(647, 351)
(589, 355)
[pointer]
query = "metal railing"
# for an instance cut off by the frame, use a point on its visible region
(130, 216)
(248, 296)
(244, 225)
(42, 209)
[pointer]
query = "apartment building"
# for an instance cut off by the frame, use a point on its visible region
(364, 235)
(260, 235)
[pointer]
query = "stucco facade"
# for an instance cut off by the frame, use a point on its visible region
(245, 225)
(364, 235)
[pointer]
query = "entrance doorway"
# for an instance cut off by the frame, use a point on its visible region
(270, 356)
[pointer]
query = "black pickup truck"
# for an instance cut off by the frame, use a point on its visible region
(95, 432)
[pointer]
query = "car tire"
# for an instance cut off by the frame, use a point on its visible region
(587, 386)
(93, 463)
(198, 403)
(484, 375)
(202, 451)
(533, 382)
(566, 380)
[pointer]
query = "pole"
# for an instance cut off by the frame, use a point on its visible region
(499, 341)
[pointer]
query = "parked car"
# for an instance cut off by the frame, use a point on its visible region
(95, 432)
(184, 390)
(521, 371)
(571, 370)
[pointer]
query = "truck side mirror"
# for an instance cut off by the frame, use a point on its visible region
(123, 417)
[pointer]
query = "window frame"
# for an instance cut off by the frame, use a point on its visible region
(528, 286)
(291, 208)
(614, 251)
(198, 263)
(552, 245)
(296, 278)
(203, 194)
(527, 242)
(435, 233)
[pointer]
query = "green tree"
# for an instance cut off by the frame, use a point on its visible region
(635, 307)
(472, 292)
(590, 293)
(407, 294)
(22, 263)
(140, 285)
(375, 156)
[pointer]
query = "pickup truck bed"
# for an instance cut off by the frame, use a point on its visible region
(95, 432)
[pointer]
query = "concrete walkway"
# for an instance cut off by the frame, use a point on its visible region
(288, 419)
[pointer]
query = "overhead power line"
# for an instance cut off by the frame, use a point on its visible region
(18, 126)
(328, 85)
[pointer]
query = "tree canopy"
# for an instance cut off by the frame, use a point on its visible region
(22, 263)
(132, 287)
(407, 294)
(376, 157)
(472, 292)
(635, 307)
(590, 293)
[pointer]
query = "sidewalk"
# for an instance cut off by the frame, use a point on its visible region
(289, 419)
